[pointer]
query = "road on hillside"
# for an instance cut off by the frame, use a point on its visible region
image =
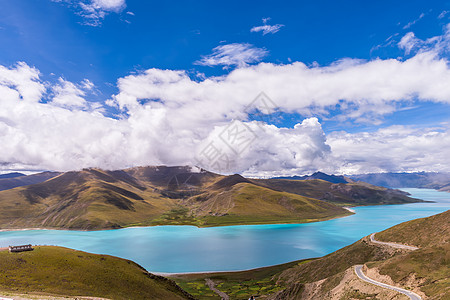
(394, 245)
(213, 288)
(360, 274)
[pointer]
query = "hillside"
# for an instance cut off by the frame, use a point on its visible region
(97, 199)
(62, 271)
(245, 202)
(350, 194)
(424, 232)
(426, 270)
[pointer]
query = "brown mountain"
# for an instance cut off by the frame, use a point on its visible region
(97, 199)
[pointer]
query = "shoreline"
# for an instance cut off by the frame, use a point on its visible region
(190, 225)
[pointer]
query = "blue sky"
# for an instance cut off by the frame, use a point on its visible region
(94, 50)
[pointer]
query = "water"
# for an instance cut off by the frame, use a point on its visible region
(175, 249)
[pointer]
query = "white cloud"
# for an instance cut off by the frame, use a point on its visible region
(168, 118)
(396, 148)
(414, 21)
(438, 44)
(443, 14)
(235, 54)
(266, 28)
(23, 81)
(67, 94)
(94, 11)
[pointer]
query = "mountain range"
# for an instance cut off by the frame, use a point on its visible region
(430, 180)
(93, 199)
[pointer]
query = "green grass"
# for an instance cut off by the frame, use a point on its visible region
(238, 285)
(62, 271)
(434, 230)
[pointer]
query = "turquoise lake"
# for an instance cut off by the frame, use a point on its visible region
(173, 249)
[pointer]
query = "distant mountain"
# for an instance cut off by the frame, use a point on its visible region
(96, 199)
(318, 175)
(350, 194)
(407, 180)
(11, 175)
(7, 183)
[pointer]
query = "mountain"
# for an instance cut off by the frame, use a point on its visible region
(61, 271)
(93, 199)
(319, 175)
(7, 182)
(425, 271)
(430, 180)
(11, 175)
(350, 194)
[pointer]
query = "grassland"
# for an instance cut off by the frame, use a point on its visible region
(62, 271)
(238, 285)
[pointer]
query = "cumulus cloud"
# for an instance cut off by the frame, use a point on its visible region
(169, 118)
(21, 82)
(235, 54)
(94, 11)
(266, 28)
(69, 95)
(366, 85)
(395, 148)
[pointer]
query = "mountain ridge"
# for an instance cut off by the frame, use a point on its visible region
(93, 199)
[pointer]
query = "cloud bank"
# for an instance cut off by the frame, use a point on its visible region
(166, 117)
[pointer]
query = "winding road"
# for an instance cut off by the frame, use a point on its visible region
(360, 274)
(393, 245)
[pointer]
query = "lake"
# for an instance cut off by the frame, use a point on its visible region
(173, 249)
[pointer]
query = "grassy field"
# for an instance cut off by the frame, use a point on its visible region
(238, 285)
(62, 271)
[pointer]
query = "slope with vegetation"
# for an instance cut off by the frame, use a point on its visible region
(142, 196)
(66, 272)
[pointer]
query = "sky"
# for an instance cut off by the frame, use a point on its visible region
(262, 89)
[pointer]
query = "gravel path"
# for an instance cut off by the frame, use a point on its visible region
(213, 288)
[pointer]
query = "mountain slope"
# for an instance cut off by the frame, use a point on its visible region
(98, 199)
(243, 201)
(62, 271)
(89, 199)
(341, 194)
